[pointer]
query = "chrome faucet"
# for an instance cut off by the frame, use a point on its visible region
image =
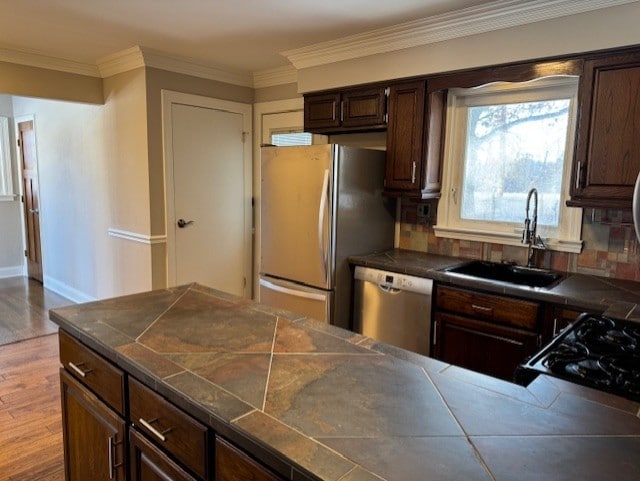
(529, 234)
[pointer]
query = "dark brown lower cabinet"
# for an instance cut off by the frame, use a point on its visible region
(148, 463)
(94, 435)
(482, 346)
(163, 442)
(234, 465)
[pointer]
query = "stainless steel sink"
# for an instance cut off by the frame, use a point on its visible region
(512, 274)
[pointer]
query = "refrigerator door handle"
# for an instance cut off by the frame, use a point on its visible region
(635, 207)
(292, 292)
(321, 220)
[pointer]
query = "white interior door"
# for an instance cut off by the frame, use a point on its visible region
(209, 204)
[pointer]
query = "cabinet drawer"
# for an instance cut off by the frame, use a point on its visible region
(148, 462)
(234, 465)
(178, 433)
(514, 312)
(482, 346)
(95, 372)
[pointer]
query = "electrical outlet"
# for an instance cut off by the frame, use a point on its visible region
(424, 210)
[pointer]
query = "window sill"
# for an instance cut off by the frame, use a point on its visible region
(504, 238)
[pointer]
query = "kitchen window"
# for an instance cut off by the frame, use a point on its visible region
(6, 179)
(282, 139)
(502, 140)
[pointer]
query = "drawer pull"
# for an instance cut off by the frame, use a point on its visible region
(482, 309)
(76, 368)
(159, 434)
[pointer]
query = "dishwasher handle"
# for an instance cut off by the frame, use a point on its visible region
(388, 289)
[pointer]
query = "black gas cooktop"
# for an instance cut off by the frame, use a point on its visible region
(596, 351)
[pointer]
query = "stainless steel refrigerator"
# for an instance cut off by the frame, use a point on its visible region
(319, 205)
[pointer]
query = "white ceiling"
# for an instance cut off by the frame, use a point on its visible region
(240, 35)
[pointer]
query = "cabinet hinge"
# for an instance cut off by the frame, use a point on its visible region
(387, 91)
(18, 142)
(25, 253)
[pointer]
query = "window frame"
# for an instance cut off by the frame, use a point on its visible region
(7, 192)
(567, 237)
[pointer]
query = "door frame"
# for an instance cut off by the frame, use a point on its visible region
(20, 167)
(169, 98)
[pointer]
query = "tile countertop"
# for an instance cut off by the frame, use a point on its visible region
(317, 402)
(620, 298)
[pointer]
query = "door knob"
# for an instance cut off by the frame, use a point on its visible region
(184, 223)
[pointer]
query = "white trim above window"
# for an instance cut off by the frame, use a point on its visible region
(6, 177)
(563, 233)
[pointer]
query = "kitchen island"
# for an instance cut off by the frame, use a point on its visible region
(311, 401)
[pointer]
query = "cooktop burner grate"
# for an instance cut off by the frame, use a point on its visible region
(596, 351)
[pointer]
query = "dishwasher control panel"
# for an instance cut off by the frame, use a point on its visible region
(394, 280)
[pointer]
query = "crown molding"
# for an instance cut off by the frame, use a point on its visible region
(138, 56)
(275, 76)
(122, 61)
(492, 16)
(34, 59)
(186, 66)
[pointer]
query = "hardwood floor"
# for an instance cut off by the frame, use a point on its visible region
(30, 418)
(23, 309)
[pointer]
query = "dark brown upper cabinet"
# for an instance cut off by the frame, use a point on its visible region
(350, 110)
(607, 158)
(405, 136)
(414, 141)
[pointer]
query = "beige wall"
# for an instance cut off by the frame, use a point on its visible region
(128, 177)
(126, 121)
(50, 84)
(73, 167)
(93, 170)
(605, 28)
(277, 92)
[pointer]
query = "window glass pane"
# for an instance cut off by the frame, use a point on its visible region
(511, 148)
(291, 138)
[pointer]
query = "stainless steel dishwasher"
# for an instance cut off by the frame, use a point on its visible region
(393, 308)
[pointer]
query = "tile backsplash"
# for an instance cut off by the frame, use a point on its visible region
(610, 245)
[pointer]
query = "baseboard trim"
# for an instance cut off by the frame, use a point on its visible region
(13, 271)
(67, 291)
